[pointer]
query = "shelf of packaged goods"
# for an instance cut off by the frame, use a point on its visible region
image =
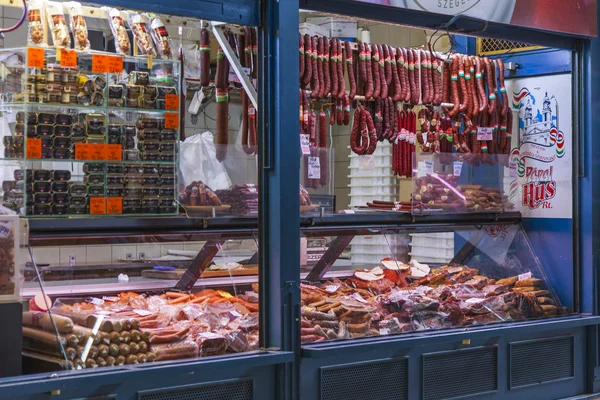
(91, 108)
(69, 160)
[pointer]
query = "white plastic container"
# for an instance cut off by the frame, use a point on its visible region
(423, 240)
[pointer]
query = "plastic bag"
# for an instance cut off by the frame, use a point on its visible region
(78, 26)
(191, 60)
(36, 16)
(141, 33)
(117, 26)
(161, 38)
(58, 25)
(198, 162)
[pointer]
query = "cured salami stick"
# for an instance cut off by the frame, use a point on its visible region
(254, 35)
(326, 68)
(204, 49)
(245, 141)
(339, 111)
(350, 69)
(480, 85)
(322, 129)
(502, 144)
(376, 72)
(436, 73)
(301, 58)
(307, 60)
(509, 127)
(315, 70)
(362, 68)
(312, 127)
(464, 94)
(369, 87)
(426, 76)
(387, 59)
(384, 86)
(341, 62)
(346, 101)
(470, 105)
(418, 83)
(396, 84)
(403, 70)
(474, 95)
(252, 127)
(378, 115)
(490, 75)
(454, 86)
(222, 111)
(359, 138)
(446, 83)
(504, 110)
(414, 95)
(332, 112)
(372, 133)
(333, 68)
(386, 119)
(321, 81)
(305, 111)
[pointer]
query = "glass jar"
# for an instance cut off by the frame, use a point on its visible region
(69, 95)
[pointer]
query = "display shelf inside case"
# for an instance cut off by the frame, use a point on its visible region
(112, 136)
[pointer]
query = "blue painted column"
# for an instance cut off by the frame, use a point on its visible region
(279, 212)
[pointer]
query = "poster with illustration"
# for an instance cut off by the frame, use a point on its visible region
(540, 179)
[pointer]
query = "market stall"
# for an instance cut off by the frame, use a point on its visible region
(451, 263)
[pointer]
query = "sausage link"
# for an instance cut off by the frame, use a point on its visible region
(333, 68)
(470, 103)
(386, 120)
(372, 133)
(301, 58)
(464, 95)
(350, 69)
(326, 68)
(446, 82)
(204, 49)
(339, 111)
(436, 74)
(307, 60)
(341, 62)
(414, 96)
(489, 71)
(474, 95)
(396, 83)
(355, 132)
(384, 86)
(403, 70)
(315, 70)
(504, 110)
(454, 86)
(362, 68)
(312, 127)
(346, 100)
(376, 71)
(322, 129)
(426, 99)
(418, 83)
(379, 118)
(369, 89)
(388, 64)
(222, 113)
(332, 113)
(320, 67)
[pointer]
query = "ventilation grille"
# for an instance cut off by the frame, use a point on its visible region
(532, 363)
(460, 373)
(381, 380)
(237, 390)
(499, 46)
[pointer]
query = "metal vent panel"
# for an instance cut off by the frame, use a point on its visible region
(541, 361)
(229, 390)
(448, 375)
(499, 46)
(376, 380)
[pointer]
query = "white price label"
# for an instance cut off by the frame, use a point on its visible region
(367, 162)
(512, 173)
(142, 313)
(110, 298)
(348, 211)
(305, 144)
(421, 169)
(96, 301)
(428, 167)
(233, 76)
(384, 331)
(526, 275)
(424, 134)
(484, 133)
(358, 297)
(314, 168)
(457, 168)
(236, 314)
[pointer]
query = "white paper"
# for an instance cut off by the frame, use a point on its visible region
(314, 168)
(332, 288)
(428, 167)
(526, 275)
(457, 168)
(305, 143)
(367, 162)
(142, 313)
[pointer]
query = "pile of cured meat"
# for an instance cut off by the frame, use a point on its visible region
(134, 328)
(398, 297)
(453, 96)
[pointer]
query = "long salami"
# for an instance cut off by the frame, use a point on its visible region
(384, 86)
(479, 76)
(490, 74)
(403, 70)
(326, 68)
(204, 49)
(436, 73)
(315, 83)
(414, 93)
(300, 57)
(369, 87)
(474, 96)
(340, 69)
(376, 71)
(307, 60)
(350, 70)
(387, 59)
(454, 86)
(333, 68)
(396, 84)
(504, 110)
(418, 83)
(464, 95)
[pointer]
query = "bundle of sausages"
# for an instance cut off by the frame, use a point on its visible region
(316, 128)
(198, 193)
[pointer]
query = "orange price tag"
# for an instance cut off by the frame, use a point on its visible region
(34, 148)
(97, 152)
(82, 151)
(171, 102)
(102, 64)
(35, 57)
(171, 121)
(113, 152)
(97, 205)
(68, 58)
(114, 205)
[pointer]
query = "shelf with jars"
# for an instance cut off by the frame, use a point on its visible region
(89, 134)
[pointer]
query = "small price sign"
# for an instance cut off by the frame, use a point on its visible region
(113, 152)
(68, 58)
(305, 144)
(102, 64)
(484, 133)
(171, 121)
(35, 57)
(97, 205)
(114, 205)
(314, 168)
(457, 168)
(82, 151)
(171, 101)
(97, 152)
(34, 148)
